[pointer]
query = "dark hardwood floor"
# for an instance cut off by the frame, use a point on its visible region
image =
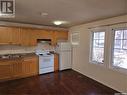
(63, 83)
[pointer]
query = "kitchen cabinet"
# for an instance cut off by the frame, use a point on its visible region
(45, 34)
(27, 37)
(48, 35)
(15, 36)
(6, 70)
(56, 62)
(30, 66)
(5, 37)
(19, 36)
(60, 36)
(9, 35)
(33, 38)
(53, 35)
(18, 68)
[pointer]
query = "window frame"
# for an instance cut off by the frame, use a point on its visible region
(77, 42)
(91, 47)
(111, 66)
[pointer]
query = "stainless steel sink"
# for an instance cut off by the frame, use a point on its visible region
(13, 56)
(10, 56)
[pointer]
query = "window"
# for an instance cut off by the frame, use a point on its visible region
(109, 47)
(75, 38)
(97, 49)
(120, 49)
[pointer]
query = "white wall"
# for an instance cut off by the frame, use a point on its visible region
(106, 76)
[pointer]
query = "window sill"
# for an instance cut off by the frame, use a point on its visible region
(119, 69)
(97, 63)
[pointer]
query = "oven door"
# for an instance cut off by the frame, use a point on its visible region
(46, 61)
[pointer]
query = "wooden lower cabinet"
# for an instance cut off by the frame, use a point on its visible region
(29, 66)
(19, 68)
(6, 70)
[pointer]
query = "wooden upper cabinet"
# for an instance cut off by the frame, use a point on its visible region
(53, 35)
(45, 34)
(15, 36)
(5, 37)
(9, 35)
(33, 39)
(60, 35)
(28, 37)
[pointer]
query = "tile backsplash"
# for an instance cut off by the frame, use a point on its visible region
(14, 49)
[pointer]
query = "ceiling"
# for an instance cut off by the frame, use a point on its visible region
(73, 11)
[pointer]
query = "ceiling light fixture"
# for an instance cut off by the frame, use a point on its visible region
(57, 22)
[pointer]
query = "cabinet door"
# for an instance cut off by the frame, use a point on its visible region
(44, 34)
(28, 37)
(5, 37)
(17, 69)
(5, 70)
(33, 39)
(9, 35)
(15, 36)
(30, 66)
(60, 35)
(25, 38)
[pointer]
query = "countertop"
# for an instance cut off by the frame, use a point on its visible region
(21, 56)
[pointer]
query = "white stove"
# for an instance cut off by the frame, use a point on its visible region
(46, 63)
